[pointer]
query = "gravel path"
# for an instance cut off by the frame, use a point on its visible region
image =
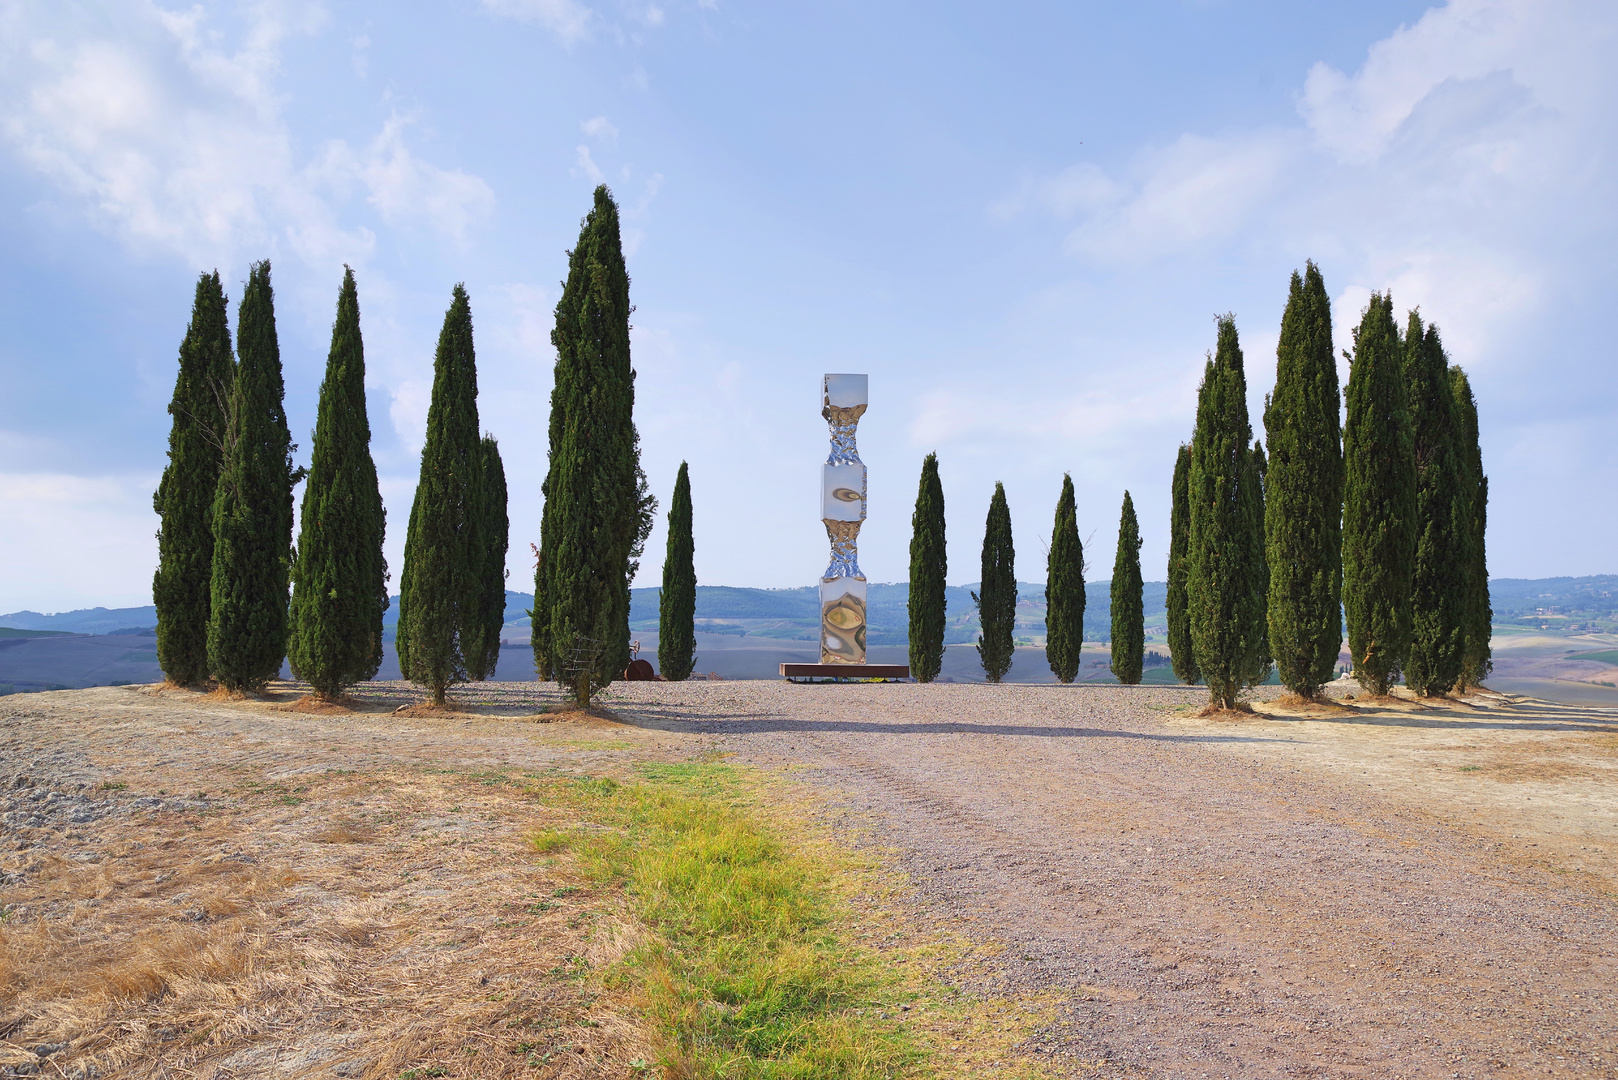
(1207, 902)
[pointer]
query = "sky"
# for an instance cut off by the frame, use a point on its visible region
(1020, 219)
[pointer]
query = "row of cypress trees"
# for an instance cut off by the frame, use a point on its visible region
(234, 597)
(997, 600)
(226, 559)
(1380, 518)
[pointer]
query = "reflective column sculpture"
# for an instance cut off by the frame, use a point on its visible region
(842, 508)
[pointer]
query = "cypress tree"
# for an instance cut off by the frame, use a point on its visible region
(1303, 493)
(1440, 578)
(597, 509)
(185, 494)
(1225, 580)
(677, 603)
(1475, 659)
(1181, 653)
(252, 509)
(928, 564)
(1379, 502)
(441, 589)
(483, 652)
(1064, 589)
(997, 604)
(340, 578)
(1128, 607)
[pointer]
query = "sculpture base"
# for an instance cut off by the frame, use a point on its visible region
(844, 672)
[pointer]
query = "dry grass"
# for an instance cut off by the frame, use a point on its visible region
(408, 935)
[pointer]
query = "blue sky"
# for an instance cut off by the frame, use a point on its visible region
(1020, 219)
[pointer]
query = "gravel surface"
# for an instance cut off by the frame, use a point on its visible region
(1215, 899)
(1387, 890)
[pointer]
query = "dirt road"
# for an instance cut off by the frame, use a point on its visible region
(1398, 892)
(1386, 891)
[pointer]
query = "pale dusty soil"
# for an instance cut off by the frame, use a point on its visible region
(1397, 890)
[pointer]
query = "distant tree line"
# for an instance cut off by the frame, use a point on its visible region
(1378, 518)
(235, 598)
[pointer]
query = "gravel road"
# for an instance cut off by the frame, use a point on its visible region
(1220, 899)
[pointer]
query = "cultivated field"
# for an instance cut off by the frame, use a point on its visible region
(1052, 881)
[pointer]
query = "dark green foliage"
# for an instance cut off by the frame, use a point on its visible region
(441, 588)
(677, 603)
(1064, 589)
(928, 564)
(1440, 577)
(1303, 493)
(1181, 653)
(997, 604)
(1475, 657)
(340, 578)
(1225, 579)
(1128, 612)
(597, 511)
(184, 497)
(1379, 502)
(483, 651)
(252, 509)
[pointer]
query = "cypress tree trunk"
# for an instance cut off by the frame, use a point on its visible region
(252, 509)
(1303, 493)
(597, 510)
(441, 588)
(1128, 607)
(483, 654)
(184, 497)
(997, 604)
(1226, 580)
(1479, 619)
(1064, 589)
(340, 578)
(677, 603)
(1181, 652)
(1440, 579)
(1379, 502)
(928, 564)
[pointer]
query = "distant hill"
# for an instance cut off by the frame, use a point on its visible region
(1565, 604)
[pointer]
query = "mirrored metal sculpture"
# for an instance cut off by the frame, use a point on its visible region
(842, 508)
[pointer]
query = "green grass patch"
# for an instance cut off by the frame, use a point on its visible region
(1605, 656)
(744, 974)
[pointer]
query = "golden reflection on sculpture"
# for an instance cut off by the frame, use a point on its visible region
(842, 507)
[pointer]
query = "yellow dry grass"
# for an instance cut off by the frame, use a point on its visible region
(413, 932)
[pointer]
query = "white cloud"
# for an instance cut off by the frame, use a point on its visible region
(600, 128)
(84, 540)
(585, 165)
(169, 140)
(569, 20)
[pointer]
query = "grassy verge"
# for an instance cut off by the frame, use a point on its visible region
(743, 973)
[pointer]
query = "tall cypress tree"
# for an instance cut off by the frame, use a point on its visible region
(1128, 606)
(441, 587)
(1440, 578)
(1181, 653)
(1475, 662)
(597, 509)
(677, 603)
(1379, 502)
(997, 603)
(184, 497)
(928, 564)
(340, 578)
(252, 509)
(1303, 493)
(1225, 579)
(483, 652)
(1064, 589)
